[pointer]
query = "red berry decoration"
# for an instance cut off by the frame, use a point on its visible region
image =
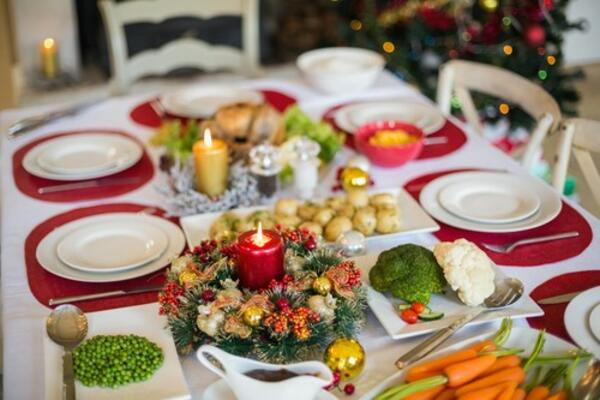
(283, 304)
(207, 295)
(409, 316)
(310, 244)
(535, 35)
(349, 389)
(336, 378)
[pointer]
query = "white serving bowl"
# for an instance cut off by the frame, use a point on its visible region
(340, 69)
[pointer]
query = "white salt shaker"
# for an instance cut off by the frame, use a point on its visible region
(306, 167)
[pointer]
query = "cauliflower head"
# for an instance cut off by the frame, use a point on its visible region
(467, 269)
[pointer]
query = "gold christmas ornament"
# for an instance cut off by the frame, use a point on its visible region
(322, 285)
(188, 278)
(346, 356)
(253, 315)
(354, 178)
(488, 5)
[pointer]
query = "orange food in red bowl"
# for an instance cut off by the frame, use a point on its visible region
(389, 143)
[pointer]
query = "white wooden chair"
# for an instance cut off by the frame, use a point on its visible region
(460, 77)
(582, 138)
(182, 52)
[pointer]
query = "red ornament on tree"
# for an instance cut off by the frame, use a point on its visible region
(535, 35)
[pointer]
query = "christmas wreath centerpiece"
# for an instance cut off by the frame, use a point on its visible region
(317, 297)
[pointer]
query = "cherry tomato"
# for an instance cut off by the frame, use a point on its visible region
(409, 316)
(418, 307)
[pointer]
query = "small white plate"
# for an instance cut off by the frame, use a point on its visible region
(353, 116)
(577, 319)
(203, 101)
(503, 200)
(47, 256)
(413, 220)
(520, 337)
(167, 382)
(112, 246)
(595, 322)
(82, 156)
(221, 391)
(385, 307)
(550, 202)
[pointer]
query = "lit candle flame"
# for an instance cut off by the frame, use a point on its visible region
(259, 238)
(207, 138)
(48, 43)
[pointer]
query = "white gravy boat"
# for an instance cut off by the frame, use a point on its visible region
(304, 387)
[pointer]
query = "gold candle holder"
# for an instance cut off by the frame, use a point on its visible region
(211, 158)
(49, 58)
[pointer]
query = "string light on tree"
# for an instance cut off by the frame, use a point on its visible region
(504, 108)
(551, 60)
(507, 49)
(542, 74)
(388, 47)
(356, 25)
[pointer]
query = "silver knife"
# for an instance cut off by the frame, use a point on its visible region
(562, 298)
(88, 184)
(27, 124)
(113, 293)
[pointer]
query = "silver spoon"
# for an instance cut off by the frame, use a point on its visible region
(588, 387)
(67, 326)
(507, 292)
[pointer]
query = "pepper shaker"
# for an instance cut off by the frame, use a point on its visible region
(265, 166)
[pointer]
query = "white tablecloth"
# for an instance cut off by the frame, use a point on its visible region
(23, 316)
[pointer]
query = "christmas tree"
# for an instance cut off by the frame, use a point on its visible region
(524, 36)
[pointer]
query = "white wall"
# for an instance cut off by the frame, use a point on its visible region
(35, 20)
(583, 47)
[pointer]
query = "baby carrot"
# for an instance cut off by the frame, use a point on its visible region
(486, 393)
(464, 372)
(508, 391)
(538, 393)
(447, 394)
(519, 394)
(427, 394)
(486, 345)
(415, 376)
(442, 362)
(502, 363)
(560, 395)
(514, 374)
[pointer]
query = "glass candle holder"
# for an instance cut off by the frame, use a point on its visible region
(265, 165)
(306, 167)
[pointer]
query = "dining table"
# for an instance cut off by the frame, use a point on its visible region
(24, 312)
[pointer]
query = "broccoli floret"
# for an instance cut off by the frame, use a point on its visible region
(410, 272)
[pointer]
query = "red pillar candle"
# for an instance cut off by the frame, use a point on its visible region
(260, 258)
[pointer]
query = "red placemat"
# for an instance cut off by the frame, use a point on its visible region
(45, 285)
(553, 318)
(524, 256)
(144, 114)
(28, 184)
(456, 137)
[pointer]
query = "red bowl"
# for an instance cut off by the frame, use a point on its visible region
(393, 156)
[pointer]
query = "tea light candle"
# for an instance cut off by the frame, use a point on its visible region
(49, 57)
(260, 258)
(306, 167)
(211, 159)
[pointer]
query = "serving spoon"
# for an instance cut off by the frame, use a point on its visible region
(67, 326)
(507, 292)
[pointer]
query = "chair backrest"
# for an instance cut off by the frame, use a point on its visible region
(581, 137)
(460, 77)
(182, 52)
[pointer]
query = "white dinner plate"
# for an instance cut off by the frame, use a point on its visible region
(577, 319)
(82, 156)
(220, 390)
(112, 246)
(168, 382)
(595, 322)
(413, 220)
(385, 307)
(520, 337)
(505, 199)
(202, 101)
(47, 256)
(550, 202)
(426, 117)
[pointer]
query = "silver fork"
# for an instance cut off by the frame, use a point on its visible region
(507, 248)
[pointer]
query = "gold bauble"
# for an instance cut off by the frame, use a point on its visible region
(188, 278)
(488, 5)
(346, 356)
(354, 178)
(322, 285)
(253, 315)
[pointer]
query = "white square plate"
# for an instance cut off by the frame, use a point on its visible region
(167, 382)
(385, 307)
(523, 338)
(414, 219)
